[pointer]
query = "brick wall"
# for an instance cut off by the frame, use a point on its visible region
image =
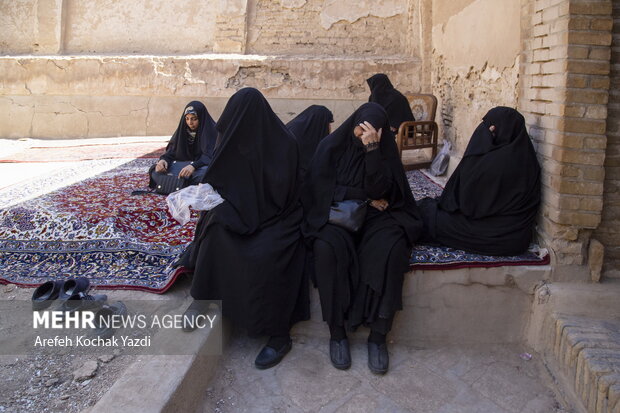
(608, 231)
(274, 29)
(564, 93)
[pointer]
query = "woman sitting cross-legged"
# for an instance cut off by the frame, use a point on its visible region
(191, 147)
(490, 202)
(248, 251)
(359, 274)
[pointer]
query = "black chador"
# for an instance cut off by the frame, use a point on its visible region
(185, 147)
(248, 251)
(395, 103)
(360, 276)
(310, 127)
(490, 202)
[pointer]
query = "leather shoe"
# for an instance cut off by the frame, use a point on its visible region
(378, 358)
(269, 356)
(45, 293)
(74, 286)
(104, 319)
(339, 353)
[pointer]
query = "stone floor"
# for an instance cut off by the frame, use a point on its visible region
(485, 379)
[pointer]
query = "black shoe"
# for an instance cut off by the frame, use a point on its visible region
(104, 319)
(45, 293)
(269, 357)
(378, 358)
(190, 316)
(339, 353)
(73, 286)
(82, 301)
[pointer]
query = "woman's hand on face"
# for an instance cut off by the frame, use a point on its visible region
(187, 171)
(369, 133)
(379, 204)
(161, 166)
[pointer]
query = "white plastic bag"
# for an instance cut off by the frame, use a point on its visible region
(201, 197)
(440, 163)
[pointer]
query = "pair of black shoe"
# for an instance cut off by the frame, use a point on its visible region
(378, 357)
(70, 292)
(73, 294)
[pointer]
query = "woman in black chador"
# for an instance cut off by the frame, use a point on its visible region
(490, 202)
(310, 127)
(249, 251)
(190, 149)
(360, 275)
(395, 103)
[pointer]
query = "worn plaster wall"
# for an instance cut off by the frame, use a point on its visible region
(608, 231)
(150, 27)
(30, 26)
(335, 28)
(475, 63)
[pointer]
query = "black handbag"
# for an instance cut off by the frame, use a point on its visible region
(348, 214)
(167, 183)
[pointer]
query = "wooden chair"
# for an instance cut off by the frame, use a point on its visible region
(419, 135)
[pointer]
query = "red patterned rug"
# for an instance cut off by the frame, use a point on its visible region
(96, 229)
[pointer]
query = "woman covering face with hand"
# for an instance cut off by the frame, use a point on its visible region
(359, 275)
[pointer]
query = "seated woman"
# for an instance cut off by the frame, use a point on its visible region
(395, 103)
(360, 275)
(190, 149)
(310, 127)
(249, 251)
(490, 202)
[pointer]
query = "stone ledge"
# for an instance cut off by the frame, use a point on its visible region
(165, 383)
(456, 307)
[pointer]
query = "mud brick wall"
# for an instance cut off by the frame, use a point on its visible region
(565, 80)
(608, 231)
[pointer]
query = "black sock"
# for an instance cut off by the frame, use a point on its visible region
(375, 337)
(278, 342)
(337, 332)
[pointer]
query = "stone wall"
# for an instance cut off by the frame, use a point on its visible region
(475, 64)
(608, 231)
(565, 81)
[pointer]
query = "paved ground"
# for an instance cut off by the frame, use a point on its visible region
(484, 379)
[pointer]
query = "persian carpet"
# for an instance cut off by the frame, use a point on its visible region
(94, 228)
(426, 257)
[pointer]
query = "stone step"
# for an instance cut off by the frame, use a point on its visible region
(587, 353)
(576, 328)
